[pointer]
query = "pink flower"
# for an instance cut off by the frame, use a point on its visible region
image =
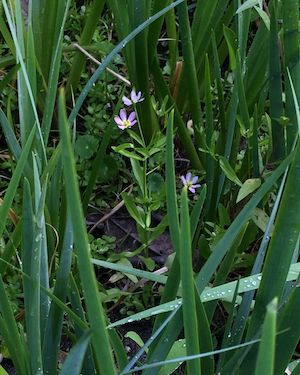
(123, 121)
(189, 182)
(134, 98)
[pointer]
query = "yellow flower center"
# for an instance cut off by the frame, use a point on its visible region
(126, 123)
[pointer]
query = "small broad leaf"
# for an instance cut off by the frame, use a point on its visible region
(136, 338)
(86, 146)
(178, 350)
(228, 170)
(248, 187)
(133, 209)
(261, 219)
(138, 174)
(127, 263)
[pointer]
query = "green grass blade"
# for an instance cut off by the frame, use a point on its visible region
(12, 336)
(210, 202)
(132, 271)
(187, 284)
(10, 248)
(275, 88)
(73, 363)
(190, 71)
(14, 182)
(266, 351)
(292, 62)
(55, 319)
(55, 66)
(197, 210)
(173, 280)
(93, 14)
(99, 340)
(10, 137)
(288, 340)
(31, 241)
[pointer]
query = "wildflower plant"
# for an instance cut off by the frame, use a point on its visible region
(145, 202)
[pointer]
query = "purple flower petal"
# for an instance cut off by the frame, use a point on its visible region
(126, 101)
(191, 189)
(123, 115)
(188, 176)
(194, 179)
(131, 117)
(122, 127)
(118, 121)
(132, 123)
(183, 180)
(133, 96)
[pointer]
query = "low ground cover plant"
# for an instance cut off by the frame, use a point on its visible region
(149, 215)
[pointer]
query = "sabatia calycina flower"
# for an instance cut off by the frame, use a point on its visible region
(134, 98)
(123, 121)
(189, 182)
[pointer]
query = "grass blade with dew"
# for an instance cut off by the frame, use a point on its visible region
(103, 356)
(152, 366)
